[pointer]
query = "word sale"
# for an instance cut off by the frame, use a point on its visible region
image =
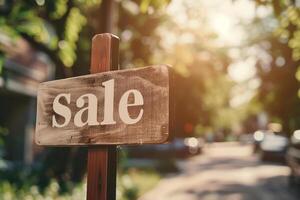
(92, 107)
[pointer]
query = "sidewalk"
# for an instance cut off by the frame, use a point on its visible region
(225, 171)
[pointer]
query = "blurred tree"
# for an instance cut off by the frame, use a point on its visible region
(56, 27)
(50, 26)
(280, 76)
(63, 30)
(202, 91)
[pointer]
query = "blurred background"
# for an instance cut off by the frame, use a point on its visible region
(237, 65)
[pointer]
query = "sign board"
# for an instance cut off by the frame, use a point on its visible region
(115, 107)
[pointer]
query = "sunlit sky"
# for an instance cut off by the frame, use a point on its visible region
(225, 17)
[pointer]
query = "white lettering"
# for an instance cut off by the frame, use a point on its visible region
(61, 110)
(108, 102)
(88, 104)
(123, 106)
(91, 109)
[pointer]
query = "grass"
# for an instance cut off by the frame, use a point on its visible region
(130, 186)
(145, 179)
(136, 182)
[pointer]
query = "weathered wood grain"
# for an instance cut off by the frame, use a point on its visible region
(152, 82)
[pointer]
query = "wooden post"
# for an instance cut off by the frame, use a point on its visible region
(102, 161)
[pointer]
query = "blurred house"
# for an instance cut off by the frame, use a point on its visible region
(22, 71)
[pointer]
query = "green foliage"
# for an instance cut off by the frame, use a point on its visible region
(146, 4)
(126, 189)
(60, 9)
(279, 91)
(133, 182)
(23, 19)
(202, 88)
(129, 187)
(63, 29)
(3, 133)
(9, 192)
(216, 99)
(289, 28)
(54, 25)
(136, 182)
(1, 62)
(67, 46)
(288, 16)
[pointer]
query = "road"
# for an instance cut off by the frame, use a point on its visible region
(226, 171)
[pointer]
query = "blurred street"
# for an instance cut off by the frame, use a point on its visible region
(231, 88)
(225, 171)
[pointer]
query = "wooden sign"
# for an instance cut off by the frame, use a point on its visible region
(115, 107)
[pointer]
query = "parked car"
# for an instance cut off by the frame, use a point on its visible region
(293, 158)
(192, 146)
(178, 148)
(273, 148)
(258, 137)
